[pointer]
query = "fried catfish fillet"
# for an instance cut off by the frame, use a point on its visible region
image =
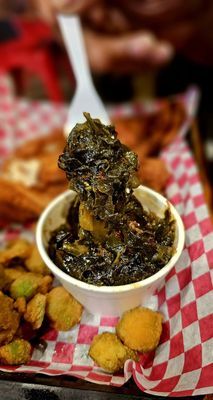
(109, 352)
(30, 178)
(140, 329)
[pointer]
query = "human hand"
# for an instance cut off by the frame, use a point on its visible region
(111, 41)
(128, 36)
(186, 24)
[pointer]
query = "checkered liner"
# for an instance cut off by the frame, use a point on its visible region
(182, 364)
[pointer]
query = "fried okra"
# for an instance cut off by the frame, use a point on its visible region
(62, 309)
(109, 352)
(140, 329)
(36, 310)
(16, 352)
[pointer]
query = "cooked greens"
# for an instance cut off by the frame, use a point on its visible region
(99, 168)
(108, 238)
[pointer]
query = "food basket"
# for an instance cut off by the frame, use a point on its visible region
(182, 363)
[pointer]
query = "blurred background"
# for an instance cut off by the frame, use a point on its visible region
(33, 55)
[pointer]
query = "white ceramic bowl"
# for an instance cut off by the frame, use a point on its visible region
(107, 300)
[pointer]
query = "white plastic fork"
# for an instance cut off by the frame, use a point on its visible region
(86, 97)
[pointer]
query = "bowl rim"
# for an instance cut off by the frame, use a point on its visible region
(109, 289)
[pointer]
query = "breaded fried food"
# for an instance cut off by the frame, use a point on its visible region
(6, 335)
(16, 352)
(11, 274)
(17, 203)
(26, 285)
(52, 142)
(49, 171)
(131, 130)
(3, 278)
(9, 319)
(21, 203)
(20, 305)
(19, 248)
(62, 309)
(153, 173)
(109, 353)
(140, 329)
(30, 178)
(36, 310)
(34, 262)
(45, 284)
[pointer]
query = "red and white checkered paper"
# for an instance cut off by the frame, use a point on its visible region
(183, 363)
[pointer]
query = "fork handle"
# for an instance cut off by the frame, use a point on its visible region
(71, 30)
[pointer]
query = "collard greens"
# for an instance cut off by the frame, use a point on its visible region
(108, 238)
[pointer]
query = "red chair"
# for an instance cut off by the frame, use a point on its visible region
(32, 53)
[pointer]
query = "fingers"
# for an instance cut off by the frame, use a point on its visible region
(126, 53)
(160, 11)
(73, 6)
(49, 8)
(107, 19)
(45, 9)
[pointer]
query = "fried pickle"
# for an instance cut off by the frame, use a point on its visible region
(16, 352)
(9, 319)
(23, 276)
(140, 329)
(36, 310)
(34, 262)
(109, 352)
(25, 286)
(45, 284)
(3, 278)
(12, 273)
(20, 305)
(62, 309)
(19, 248)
